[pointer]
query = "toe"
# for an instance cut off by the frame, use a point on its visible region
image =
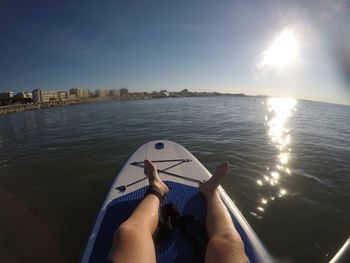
(222, 169)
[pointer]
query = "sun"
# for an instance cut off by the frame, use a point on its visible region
(283, 51)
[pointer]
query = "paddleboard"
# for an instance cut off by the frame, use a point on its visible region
(182, 172)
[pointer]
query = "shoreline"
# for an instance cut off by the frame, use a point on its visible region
(13, 108)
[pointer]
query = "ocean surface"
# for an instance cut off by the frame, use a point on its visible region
(290, 169)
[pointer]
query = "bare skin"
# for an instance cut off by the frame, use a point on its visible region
(133, 239)
(225, 244)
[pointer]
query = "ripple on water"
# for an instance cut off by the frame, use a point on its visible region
(76, 150)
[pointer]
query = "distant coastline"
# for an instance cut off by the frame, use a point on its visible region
(19, 107)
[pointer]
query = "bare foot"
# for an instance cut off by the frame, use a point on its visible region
(210, 186)
(150, 171)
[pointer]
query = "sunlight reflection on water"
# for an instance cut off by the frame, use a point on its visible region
(279, 112)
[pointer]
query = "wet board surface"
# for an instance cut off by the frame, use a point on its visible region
(181, 171)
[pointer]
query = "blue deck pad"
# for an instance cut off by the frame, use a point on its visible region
(175, 247)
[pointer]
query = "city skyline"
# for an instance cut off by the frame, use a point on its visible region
(285, 50)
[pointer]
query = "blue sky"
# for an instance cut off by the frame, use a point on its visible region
(152, 45)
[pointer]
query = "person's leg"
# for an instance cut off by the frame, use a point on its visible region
(133, 239)
(225, 244)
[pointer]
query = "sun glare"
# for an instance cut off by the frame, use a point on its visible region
(279, 112)
(283, 51)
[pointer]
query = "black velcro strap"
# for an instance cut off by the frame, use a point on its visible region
(154, 190)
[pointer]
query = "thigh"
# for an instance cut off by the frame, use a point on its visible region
(225, 249)
(132, 245)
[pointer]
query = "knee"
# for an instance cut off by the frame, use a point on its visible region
(227, 246)
(125, 229)
(227, 240)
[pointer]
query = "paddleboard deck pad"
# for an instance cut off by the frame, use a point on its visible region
(182, 173)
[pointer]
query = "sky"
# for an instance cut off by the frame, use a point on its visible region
(298, 49)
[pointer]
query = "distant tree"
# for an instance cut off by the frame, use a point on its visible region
(5, 99)
(185, 91)
(18, 98)
(28, 100)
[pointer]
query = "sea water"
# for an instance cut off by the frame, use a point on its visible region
(289, 175)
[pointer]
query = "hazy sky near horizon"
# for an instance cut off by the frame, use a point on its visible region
(277, 48)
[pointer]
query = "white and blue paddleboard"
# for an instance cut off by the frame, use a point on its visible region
(182, 172)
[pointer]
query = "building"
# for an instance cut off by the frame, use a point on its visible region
(114, 93)
(101, 93)
(79, 92)
(123, 92)
(62, 95)
(36, 95)
(24, 95)
(164, 93)
(47, 96)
